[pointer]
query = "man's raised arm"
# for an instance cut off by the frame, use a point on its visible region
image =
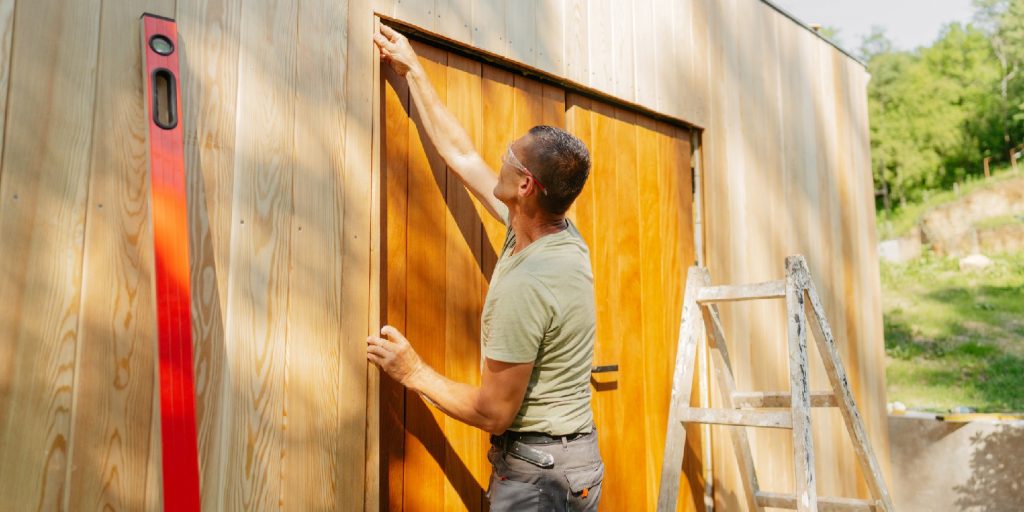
(442, 128)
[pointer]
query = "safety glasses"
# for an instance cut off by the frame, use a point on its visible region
(510, 159)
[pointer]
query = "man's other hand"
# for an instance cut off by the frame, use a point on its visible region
(395, 50)
(394, 355)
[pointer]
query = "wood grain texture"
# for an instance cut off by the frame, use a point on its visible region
(549, 37)
(209, 83)
(425, 444)
(630, 214)
(396, 166)
(498, 97)
(521, 30)
(314, 457)
(489, 32)
(257, 298)
(455, 18)
(357, 255)
(117, 345)
(464, 296)
(6, 36)
(43, 187)
(575, 45)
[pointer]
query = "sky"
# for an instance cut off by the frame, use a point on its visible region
(907, 23)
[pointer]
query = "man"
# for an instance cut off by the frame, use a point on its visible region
(538, 321)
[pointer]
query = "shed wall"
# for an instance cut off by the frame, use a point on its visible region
(281, 234)
(786, 171)
(279, 101)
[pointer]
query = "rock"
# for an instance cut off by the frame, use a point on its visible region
(975, 262)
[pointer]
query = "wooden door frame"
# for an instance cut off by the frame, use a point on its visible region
(378, 249)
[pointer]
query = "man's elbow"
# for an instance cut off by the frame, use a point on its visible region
(499, 424)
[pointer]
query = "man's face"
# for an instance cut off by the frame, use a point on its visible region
(510, 180)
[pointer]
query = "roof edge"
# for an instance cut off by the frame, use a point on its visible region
(807, 27)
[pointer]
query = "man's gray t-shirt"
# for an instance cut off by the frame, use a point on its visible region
(540, 309)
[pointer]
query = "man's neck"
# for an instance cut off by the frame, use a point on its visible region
(529, 228)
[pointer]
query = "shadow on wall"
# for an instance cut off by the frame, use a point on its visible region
(997, 472)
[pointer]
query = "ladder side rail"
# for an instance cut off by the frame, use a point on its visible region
(690, 329)
(803, 446)
(847, 406)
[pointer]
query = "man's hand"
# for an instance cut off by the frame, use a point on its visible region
(395, 355)
(395, 50)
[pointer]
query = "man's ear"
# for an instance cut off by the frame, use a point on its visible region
(524, 186)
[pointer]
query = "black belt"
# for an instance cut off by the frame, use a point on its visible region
(510, 436)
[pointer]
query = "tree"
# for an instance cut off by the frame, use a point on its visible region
(931, 110)
(1003, 21)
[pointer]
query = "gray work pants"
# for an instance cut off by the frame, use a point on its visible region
(574, 483)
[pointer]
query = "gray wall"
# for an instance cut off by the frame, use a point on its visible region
(939, 466)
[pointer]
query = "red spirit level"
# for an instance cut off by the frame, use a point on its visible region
(170, 240)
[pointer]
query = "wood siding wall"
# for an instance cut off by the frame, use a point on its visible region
(279, 103)
(786, 163)
(281, 235)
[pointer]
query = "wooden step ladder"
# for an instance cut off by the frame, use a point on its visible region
(701, 315)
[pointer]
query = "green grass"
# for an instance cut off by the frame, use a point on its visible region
(899, 221)
(955, 338)
(1000, 221)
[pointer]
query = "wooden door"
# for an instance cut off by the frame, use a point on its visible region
(441, 250)
(441, 247)
(636, 215)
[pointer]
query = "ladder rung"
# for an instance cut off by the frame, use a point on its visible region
(755, 400)
(753, 291)
(825, 504)
(744, 418)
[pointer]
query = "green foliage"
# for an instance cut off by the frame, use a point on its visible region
(899, 221)
(955, 338)
(936, 112)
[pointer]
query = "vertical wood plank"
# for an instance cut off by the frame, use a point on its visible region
(356, 321)
(313, 391)
(489, 31)
(425, 443)
(396, 166)
(578, 122)
(577, 56)
(652, 319)
(646, 46)
(454, 19)
(6, 35)
(550, 33)
(521, 30)
(256, 312)
(43, 186)
(209, 85)
(114, 417)
(623, 54)
(417, 12)
(607, 391)
(464, 296)
(600, 45)
(497, 91)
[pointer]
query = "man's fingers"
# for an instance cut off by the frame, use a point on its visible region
(383, 43)
(374, 341)
(388, 32)
(376, 350)
(391, 333)
(375, 359)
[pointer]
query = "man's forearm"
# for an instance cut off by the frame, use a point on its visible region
(458, 400)
(442, 128)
